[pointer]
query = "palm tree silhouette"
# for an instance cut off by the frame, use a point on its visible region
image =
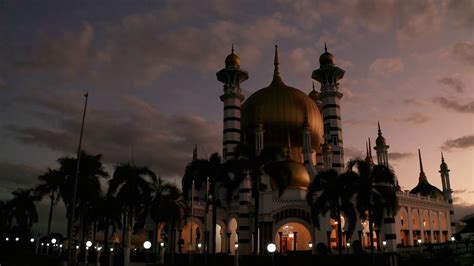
(23, 210)
(331, 192)
(52, 185)
(130, 184)
(376, 193)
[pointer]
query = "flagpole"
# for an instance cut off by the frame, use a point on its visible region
(72, 205)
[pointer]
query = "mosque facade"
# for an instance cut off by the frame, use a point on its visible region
(304, 131)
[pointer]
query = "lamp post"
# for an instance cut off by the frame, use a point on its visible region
(72, 205)
(272, 248)
(419, 243)
(348, 245)
(86, 254)
(236, 256)
(99, 248)
(111, 257)
(162, 252)
(384, 244)
(147, 246)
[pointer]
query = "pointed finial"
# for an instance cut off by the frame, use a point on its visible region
(366, 149)
(195, 152)
(370, 149)
(442, 157)
(421, 163)
(232, 48)
(380, 131)
(276, 62)
(325, 48)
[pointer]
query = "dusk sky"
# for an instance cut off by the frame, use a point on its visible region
(149, 68)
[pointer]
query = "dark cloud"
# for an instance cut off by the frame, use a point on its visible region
(462, 210)
(14, 176)
(453, 82)
(455, 105)
(459, 143)
(161, 142)
(396, 156)
(464, 52)
(353, 152)
(462, 11)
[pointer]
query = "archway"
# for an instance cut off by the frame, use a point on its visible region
(404, 228)
(219, 238)
(232, 234)
(192, 234)
(292, 236)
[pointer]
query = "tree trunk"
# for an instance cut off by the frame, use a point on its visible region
(94, 234)
(106, 235)
(256, 211)
(128, 236)
(214, 224)
(371, 234)
(339, 231)
(50, 217)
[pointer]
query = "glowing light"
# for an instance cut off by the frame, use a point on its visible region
(7, 238)
(291, 235)
(310, 244)
(77, 247)
(61, 245)
(419, 241)
(199, 245)
(348, 244)
(89, 243)
(111, 249)
(147, 244)
(384, 243)
(236, 245)
(453, 239)
(47, 244)
(271, 247)
(162, 244)
(17, 239)
(53, 240)
(99, 248)
(32, 240)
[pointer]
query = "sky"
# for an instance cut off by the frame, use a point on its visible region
(149, 68)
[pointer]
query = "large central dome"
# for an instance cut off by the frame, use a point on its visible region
(282, 110)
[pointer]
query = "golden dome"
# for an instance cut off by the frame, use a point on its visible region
(287, 174)
(281, 110)
(232, 60)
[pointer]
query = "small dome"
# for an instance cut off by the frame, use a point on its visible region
(426, 189)
(232, 61)
(327, 59)
(380, 141)
(287, 173)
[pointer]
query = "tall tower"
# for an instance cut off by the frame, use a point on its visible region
(307, 150)
(231, 76)
(381, 148)
(447, 191)
(328, 75)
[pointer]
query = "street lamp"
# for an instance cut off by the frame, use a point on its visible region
(147, 245)
(453, 238)
(236, 257)
(86, 254)
(32, 240)
(7, 239)
(310, 244)
(419, 241)
(89, 243)
(17, 239)
(272, 248)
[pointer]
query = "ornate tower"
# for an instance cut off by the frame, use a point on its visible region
(381, 148)
(447, 191)
(307, 148)
(231, 76)
(328, 75)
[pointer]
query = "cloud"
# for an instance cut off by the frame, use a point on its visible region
(462, 210)
(161, 142)
(14, 176)
(353, 152)
(415, 118)
(453, 82)
(462, 11)
(396, 156)
(454, 105)
(385, 67)
(464, 52)
(418, 19)
(463, 142)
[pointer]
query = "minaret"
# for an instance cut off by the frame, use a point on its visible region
(368, 158)
(327, 156)
(381, 148)
(447, 191)
(232, 75)
(307, 150)
(328, 75)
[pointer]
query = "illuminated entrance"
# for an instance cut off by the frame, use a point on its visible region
(292, 236)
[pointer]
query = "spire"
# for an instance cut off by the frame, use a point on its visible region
(276, 72)
(325, 48)
(232, 51)
(380, 131)
(422, 177)
(442, 157)
(370, 149)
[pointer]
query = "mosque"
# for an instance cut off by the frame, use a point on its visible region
(307, 130)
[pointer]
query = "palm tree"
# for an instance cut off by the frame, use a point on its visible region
(130, 184)
(107, 213)
(88, 189)
(167, 207)
(52, 183)
(376, 193)
(23, 210)
(331, 192)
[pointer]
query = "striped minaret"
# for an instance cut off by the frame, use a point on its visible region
(447, 191)
(381, 148)
(244, 215)
(328, 75)
(307, 148)
(231, 76)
